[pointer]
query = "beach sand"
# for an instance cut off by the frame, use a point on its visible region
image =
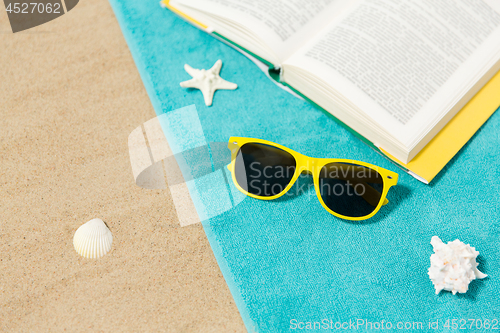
(70, 96)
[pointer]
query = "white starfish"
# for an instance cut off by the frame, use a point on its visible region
(208, 81)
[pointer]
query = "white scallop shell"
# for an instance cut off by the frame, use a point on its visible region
(93, 239)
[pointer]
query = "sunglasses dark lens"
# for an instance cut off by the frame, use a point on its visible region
(263, 170)
(349, 189)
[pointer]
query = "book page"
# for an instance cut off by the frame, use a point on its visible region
(284, 25)
(405, 63)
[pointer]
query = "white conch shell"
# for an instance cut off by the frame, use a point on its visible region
(453, 266)
(93, 239)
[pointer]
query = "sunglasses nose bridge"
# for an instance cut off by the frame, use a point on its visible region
(306, 164)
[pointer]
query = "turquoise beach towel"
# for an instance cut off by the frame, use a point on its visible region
(290, 265)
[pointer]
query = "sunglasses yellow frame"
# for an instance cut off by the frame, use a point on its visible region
(313, 166)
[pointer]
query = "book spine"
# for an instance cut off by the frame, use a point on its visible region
(272, 72)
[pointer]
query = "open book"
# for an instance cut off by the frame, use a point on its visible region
(398, 73)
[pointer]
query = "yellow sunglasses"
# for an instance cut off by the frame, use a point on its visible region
(348, 189)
